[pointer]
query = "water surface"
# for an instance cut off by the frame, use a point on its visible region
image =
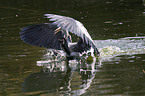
(119, 33)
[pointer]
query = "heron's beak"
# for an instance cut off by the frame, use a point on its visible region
(57, 30)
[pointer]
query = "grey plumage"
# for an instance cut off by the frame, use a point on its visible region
(73, 26)
(56, 35)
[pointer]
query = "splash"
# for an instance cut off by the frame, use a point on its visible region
(123, 46)
(54, 61)
(108, 49)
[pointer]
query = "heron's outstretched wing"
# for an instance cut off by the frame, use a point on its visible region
(41, 35)
(74, 26)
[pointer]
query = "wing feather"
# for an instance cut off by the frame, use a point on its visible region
(73, 26)
(41, 35)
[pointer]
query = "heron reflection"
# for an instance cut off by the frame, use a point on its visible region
(57, 76)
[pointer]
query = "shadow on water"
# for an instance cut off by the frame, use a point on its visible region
(91, 74)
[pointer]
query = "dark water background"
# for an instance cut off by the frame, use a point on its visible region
(105, 19)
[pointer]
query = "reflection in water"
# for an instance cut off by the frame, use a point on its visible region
(57, 76)
(75, 77)
(44, 81)
(105, 19)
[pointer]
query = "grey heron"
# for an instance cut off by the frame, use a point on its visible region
(56, 35)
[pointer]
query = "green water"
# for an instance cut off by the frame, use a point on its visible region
(117, 28)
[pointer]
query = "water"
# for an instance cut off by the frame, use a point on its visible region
(117, 28)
